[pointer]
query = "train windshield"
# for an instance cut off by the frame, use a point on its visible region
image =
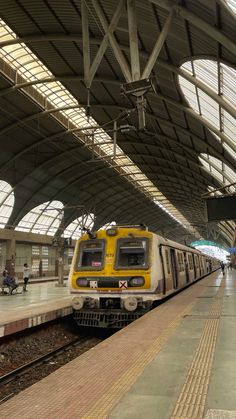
(132, 253)
(91, 255)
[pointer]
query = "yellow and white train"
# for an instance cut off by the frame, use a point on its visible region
(120, 273)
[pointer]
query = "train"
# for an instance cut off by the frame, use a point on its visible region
(120, 273)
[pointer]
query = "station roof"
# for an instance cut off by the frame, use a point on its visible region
(75, 128)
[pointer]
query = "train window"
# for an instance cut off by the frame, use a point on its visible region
(132, 253)
(196, 261)
(167, 261)
(91, 255)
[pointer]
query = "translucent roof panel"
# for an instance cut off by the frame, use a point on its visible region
(55, 95)
(75, 229)
(43, 219)
(6, 202)
(219, 79)
(216, 252)
(211, 189)
(224, 174)
(231, 4)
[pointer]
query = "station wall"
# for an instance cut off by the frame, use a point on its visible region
(41, 258)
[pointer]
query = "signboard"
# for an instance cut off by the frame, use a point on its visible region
(221, 208)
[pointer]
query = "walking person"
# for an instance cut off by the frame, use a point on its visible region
(26, 273)
(222, 265)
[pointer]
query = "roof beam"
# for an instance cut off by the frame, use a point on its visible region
(133, 39)
(105, 42)
(86, 49)
(158, 45)
(113, 42)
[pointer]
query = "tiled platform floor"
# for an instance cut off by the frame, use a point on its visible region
(178, 361)
(43, 302)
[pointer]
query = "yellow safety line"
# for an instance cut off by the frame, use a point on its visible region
(192, 398)
(102, 407)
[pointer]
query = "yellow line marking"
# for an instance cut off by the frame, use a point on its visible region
(192, 398)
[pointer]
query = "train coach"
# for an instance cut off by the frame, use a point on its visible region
(119, 274)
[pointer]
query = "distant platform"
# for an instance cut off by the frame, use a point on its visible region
(43, 301)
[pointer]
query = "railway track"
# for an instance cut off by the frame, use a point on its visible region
(11, 376)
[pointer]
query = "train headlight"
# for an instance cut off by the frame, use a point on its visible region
(77, 303)
(136, 281)
(82, 282)
(130, 303)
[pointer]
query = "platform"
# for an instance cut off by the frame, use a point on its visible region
(178, 361)
(43, 302)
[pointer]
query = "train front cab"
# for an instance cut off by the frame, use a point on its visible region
(111, 276)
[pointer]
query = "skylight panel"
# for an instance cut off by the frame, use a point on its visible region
(187, 66)
(229, 86)
(6, 202)
(216, 162)
(219, 170)
(229, 125)
(229, 149)
(221, 79)
(211, 189)
(190, 92)
(75, 229)
(231, 4)
(209, 109)
(206, 71)
(43, 219)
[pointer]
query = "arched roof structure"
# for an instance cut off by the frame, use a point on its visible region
(68, 134)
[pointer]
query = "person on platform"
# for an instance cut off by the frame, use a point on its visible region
(26, 273)
(222, 265)
(9, 281)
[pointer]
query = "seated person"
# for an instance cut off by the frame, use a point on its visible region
(10, 282)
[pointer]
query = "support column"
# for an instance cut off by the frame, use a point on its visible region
(40, 268)
(60, 263)
(11, 256)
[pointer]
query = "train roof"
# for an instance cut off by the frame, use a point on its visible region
(167, 242)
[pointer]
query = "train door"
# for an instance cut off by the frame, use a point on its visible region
(200, 265)
(194, 266)
(174, 268)
(186, 267)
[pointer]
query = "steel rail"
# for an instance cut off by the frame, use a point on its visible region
(10, 376)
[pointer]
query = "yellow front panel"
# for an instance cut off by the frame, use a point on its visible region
(109, 262)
